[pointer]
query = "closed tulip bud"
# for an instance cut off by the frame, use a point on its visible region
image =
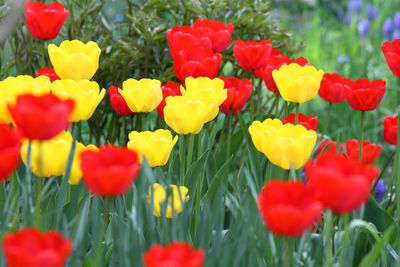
(370, 151)
(283, 144)
(75, 60)
(142, 95)
(390, 129)
(155, 146)
(169, 89)
(391, 51)
(297, 83)
(366, 95)
(206, 90)
(86, 94)
(186, 115)
(174, 202)
(49, 72)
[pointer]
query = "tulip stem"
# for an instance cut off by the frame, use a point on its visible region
(199, 144)
(327, 119)
(182, 158)
(285, 108)
(361, 134)
(143, 121)
(286, 175)
(229, 132)
(296, 120)
(328, 237)
(106, 220)
(190, 151)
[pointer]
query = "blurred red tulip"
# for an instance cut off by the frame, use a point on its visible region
(41, 117)
(391, 51)
(197, 62)
(332, 147)
(109, 171)
(238, 93)
(117, 102)
(335, 179)
(169, 89)
(366, 95)
(219, 33)
(311, 122)
(370, 151)
(49, 72)
(45, 21)
(176, 254)
(334, 87)
(31, 248)
(252, 54)
(288, 208)
(10, 146)
(390, 129)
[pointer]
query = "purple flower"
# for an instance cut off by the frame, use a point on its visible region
(387, 28)
(363, 28)
(372, 12)
(396, 35)
(355, 5)
(379, 190)
(397, 20)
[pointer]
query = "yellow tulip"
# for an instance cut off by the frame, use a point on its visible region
(76, 172)
(155, 146)
(12, 87)
(297, 83)
(142, 95)
(160, 196)
(186, 115)
(283, 145)
(87, 96)
(207, 90)
(74, 59)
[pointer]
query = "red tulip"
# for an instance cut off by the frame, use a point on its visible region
(334, 88)
(366, 95)
(109, 171)
(31, 248)
(288, 208)
(343, 184)
(274, 62)
(252, 54)
(197, 62)
(219, 33)
(117, 102)
(391, 51)
(311, 122)
(184, 38)
(332, 147)
(238, 93)
(176, 254)
(41, 117)
(169, 89)
(10, 146)
(49, 72)
(45, 21)
(390, 129)
(369, 152)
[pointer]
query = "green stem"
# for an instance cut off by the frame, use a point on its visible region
(296, 120)
(345, 238)
(361, 134)
(199, 144)
(190, 151)
(182, 158)
(286, 175)
(287, 252)
(285, 108)
(328, 237)
(106, 220)
(143, 121)
(327, 119)
(228, 138)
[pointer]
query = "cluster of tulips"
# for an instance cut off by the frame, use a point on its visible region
(36, 114)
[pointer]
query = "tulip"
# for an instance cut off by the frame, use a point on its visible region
(238, 93)
(169, 89)
(390, 129)
(142, 95)
(30, 247)
(49, 72)
(117, 102)
(297, 83)
(370, 151)
(219, 33)
(175, 201)
(45, 21)
(155, 146)
(41, 117)
(391, 51)
(283, 144)
(328, 146)
(334, 178)
(311, 122)
(76, 171)
(365, 95)
(186, 115)
(252, 54)
(289, 208)
(10, 146)
(334, 88)
(209, 91)
(177, 253)
(197, 62)
(109, 171)
(86, 94)
(74, 59)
